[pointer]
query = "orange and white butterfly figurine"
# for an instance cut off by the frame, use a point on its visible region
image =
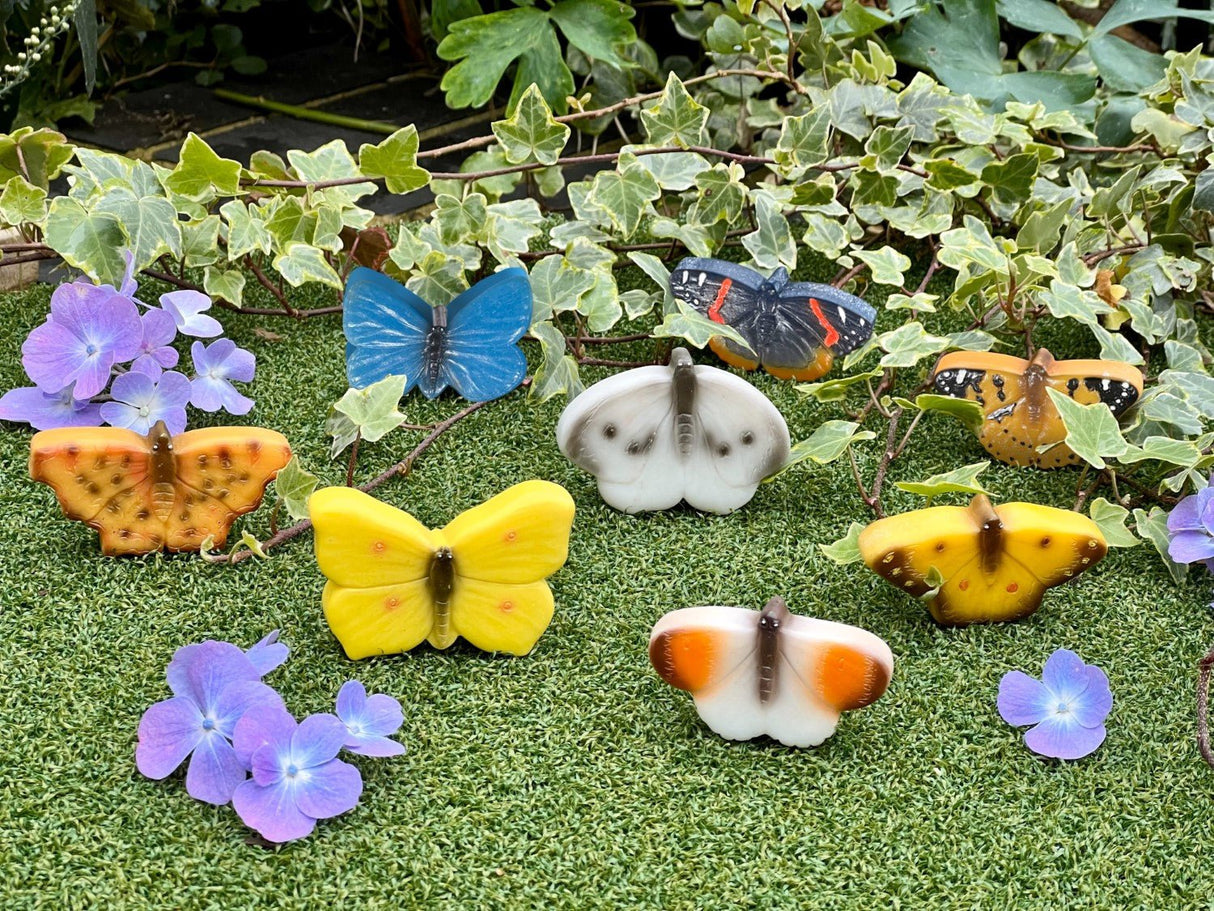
(1022, 425)
(981, 563)
(769, 672)
(158, 492)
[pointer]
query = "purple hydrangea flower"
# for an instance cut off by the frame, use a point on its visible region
(156, 351)
(186, 309)
(30, 405)
(369, 720)
(268, 654)
(139, 401)
(214, 685)
(129, 285)
(216, 365)
(1191, 529)
(297, 777)
(1066, 707)
(90, 328)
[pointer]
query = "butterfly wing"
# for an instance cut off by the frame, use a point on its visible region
(823, 670)
(812, 325)
(386, 327)
(377, 560)
(482, 359)
(504, 549)
(622, 430)
(1011, 432)
(221, 473)
(102, 477)
(726, 293)
(1050, 545)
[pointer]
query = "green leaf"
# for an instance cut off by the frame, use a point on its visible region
(558, 371)
(201, 174)
(247, 230)
(677, 119)
(150, 223)
(656, 270)
(37, 155)
(1011, 180)
(22, 202)
(86, 33)
(771, 244)
(438, 278)
(968, 412)
(947, 175)
(625, 194)
(543, 65)
(600, 29)
(829, 441)
(804, 142)
(248, 540)
(672, 170)
(556, 286)
(1065, 300)
(695, 328)
(91, 241)
(485, 46)
(460, 220)
(368, 413)
(222, 284)
(959, 480)
(1184, 453)
(532, 133)
(294, 484)
(1124, 67)
(1039, 16)
(847, 549)
(1110, 518)
(1125, 12)
(332, 161)
(1091, 430)
(1153, 527)
(888, 145)
(909, 344)
(886, 264)
(835, 390)
(200, 242)
(973, 244)
(395, 160)
(301, 263)
(510, 227)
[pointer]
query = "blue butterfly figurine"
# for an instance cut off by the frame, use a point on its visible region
(470, 344)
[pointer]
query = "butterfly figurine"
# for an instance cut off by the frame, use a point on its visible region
(1022, 425)
(769, 672)
(794, 330)
(393, 583)
(159, 491)
(656, 435)
(981, 563)
(470, 344)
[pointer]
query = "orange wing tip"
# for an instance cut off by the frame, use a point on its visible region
(686, 658)
(818, 367)
(848, 678)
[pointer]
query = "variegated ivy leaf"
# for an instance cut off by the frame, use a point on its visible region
(395, 160)
(886, 265)
(835, 390)
(438, 278)
(510, 227)
(959, 480)
(1064, 300)
(556, 286)
(700, 240)
(200, 241)
(224, 284)
(909, 344)
(625, 194)
(804, 143)
(1184, 453)
(722, 196)
(1153, 526)
(368, 413)
(91, 241)
(247, 230)
(1091, 430)
(672, 170)
(301, 263)
(921, 302)
(332, 161)
(293, 485)
(968, 412)
(22, 203)
(973, 245)
(460, 220)
(771, 244)
(657, 272)
(150, 223)
(847, 549)
(676, 119)
(829, 441)
(201, 175)
(695, 328)
(1110, 518)
(558, 371)
(532, 134)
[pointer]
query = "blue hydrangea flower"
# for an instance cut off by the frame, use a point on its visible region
(157, 353)
(139, 401)
(215, 366)
(186, 307)
(30, 405)
(369, 720)
(214, 685)
(297, 777)
(1067, 706)
(1191, 529)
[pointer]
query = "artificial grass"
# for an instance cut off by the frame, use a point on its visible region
(574, 777)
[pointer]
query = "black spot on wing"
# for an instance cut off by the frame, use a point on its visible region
(1117, 395)
(959, 381)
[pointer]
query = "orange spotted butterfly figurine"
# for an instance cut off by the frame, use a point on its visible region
(769, 672)
(979, 563)
(1022, 425)
(154, 492)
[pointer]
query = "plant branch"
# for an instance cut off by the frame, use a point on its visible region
(1203, 697)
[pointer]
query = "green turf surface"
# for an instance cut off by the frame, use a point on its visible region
(574, 777)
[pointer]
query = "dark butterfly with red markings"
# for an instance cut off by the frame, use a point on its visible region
(795, 330)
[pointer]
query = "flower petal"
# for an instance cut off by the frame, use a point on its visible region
(1065, 675)
(214, 770)
(267, 764)
(382, 715)
(186, 309)
(1094, 704)
(350, 700)
(317, 740)
(239, 698)
(30, 405)
(205, 670)
(330, 789)
(1062, 737)
(271, 811)
(373, 745)
(52, 356)
(1022, 699)
(263, 725)
(168, 733)
(268, 654)
(1191, 547)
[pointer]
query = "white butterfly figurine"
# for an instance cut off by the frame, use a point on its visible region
(656, 435)
(769, 672)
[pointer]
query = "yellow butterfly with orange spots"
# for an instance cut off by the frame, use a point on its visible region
(393, 583)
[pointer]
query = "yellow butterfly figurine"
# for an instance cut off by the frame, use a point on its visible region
(979, 563)
(394, 583)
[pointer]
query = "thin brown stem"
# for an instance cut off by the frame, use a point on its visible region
(1203, 697)
(265, 282)
(353, 460)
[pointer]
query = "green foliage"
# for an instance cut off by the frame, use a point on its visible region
(959, 480)
(368, 414)
(293, 485)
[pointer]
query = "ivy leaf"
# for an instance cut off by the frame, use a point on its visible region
(968, 412)
(201, 175)
(909, 344)
(395, 160)
(677, 119)
(332, 161)
(1091, 430)
(625, 194)
(835, 390)
(224, 284)
(294, 484)
(695, 328)
(531, 134)
(1011, 180)
(1153, 527)
(804, 142)
(510, 228)
(200, 241)
(959, 480)
(150, 223)
(460, 220)
(22, 202)
(1184, 453)
(301, 263)
(600, 29)
(847, 549)
(368, 413)
(247, 230)
(886, 264)
(556, 286)
(438, 278)
(657, 272)
(673, 170)
(558, 371)
(91, 241)
(1110, 518)
(37, 155)
(920, 301)
(829, 441)
(771, 243)
(484, 46)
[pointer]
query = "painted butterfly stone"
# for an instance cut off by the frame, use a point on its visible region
(769, 672)
(154, 492)
(1022, 425)
(981, 563)
(793, 330)
(654, 436)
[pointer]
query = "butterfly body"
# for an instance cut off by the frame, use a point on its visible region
(393, 583)
(654, 436)
(154, 492)
(794, 330)
(979, 563)
(1022, 425)
(769, 672)
(470, 344)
